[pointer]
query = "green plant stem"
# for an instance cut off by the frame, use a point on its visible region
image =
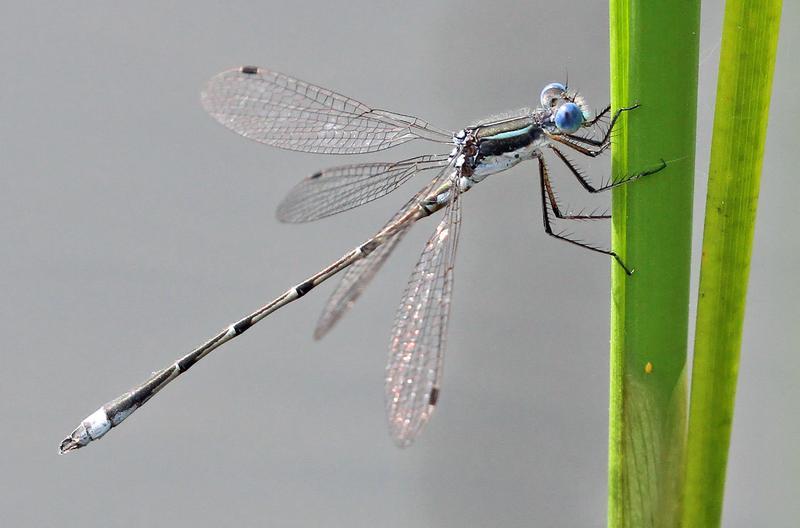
(747, 61)
(654, 59)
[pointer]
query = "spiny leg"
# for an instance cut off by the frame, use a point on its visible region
(551, 195)
(592, 153)
(544, 180)
(598, 117)
(584, 181)
(603, 144)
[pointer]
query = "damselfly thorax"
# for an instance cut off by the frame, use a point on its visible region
(492, 147)
(499, 145)
(282, 111)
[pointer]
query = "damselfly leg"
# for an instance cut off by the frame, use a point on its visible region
(586, 184)
(603, 143)
(549, 195)
(546, 189)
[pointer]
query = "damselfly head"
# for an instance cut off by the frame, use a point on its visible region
(569, 118)
(567, 108)
(552, 94)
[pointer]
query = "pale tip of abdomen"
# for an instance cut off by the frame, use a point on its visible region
(69, 444)
(91, 428)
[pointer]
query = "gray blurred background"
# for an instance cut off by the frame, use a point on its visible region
(134, 226)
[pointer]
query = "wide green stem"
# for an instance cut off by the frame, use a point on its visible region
(747, 61)
(654, 58)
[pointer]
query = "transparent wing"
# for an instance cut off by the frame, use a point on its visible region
(342, 188)
(353, 284)
(418, 338)
(359, 274)
(278, 110)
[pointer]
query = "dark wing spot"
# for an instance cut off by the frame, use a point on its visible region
(251, 70)
(434, 396)
(315, 175)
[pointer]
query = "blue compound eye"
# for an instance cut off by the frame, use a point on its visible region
(569, 118)
(551, 94)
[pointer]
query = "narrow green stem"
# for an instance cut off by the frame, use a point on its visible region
(654, 58)
(747, 61)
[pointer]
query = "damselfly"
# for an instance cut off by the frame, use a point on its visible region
(278, 110)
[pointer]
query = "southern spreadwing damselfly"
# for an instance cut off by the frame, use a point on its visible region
(285, 112)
